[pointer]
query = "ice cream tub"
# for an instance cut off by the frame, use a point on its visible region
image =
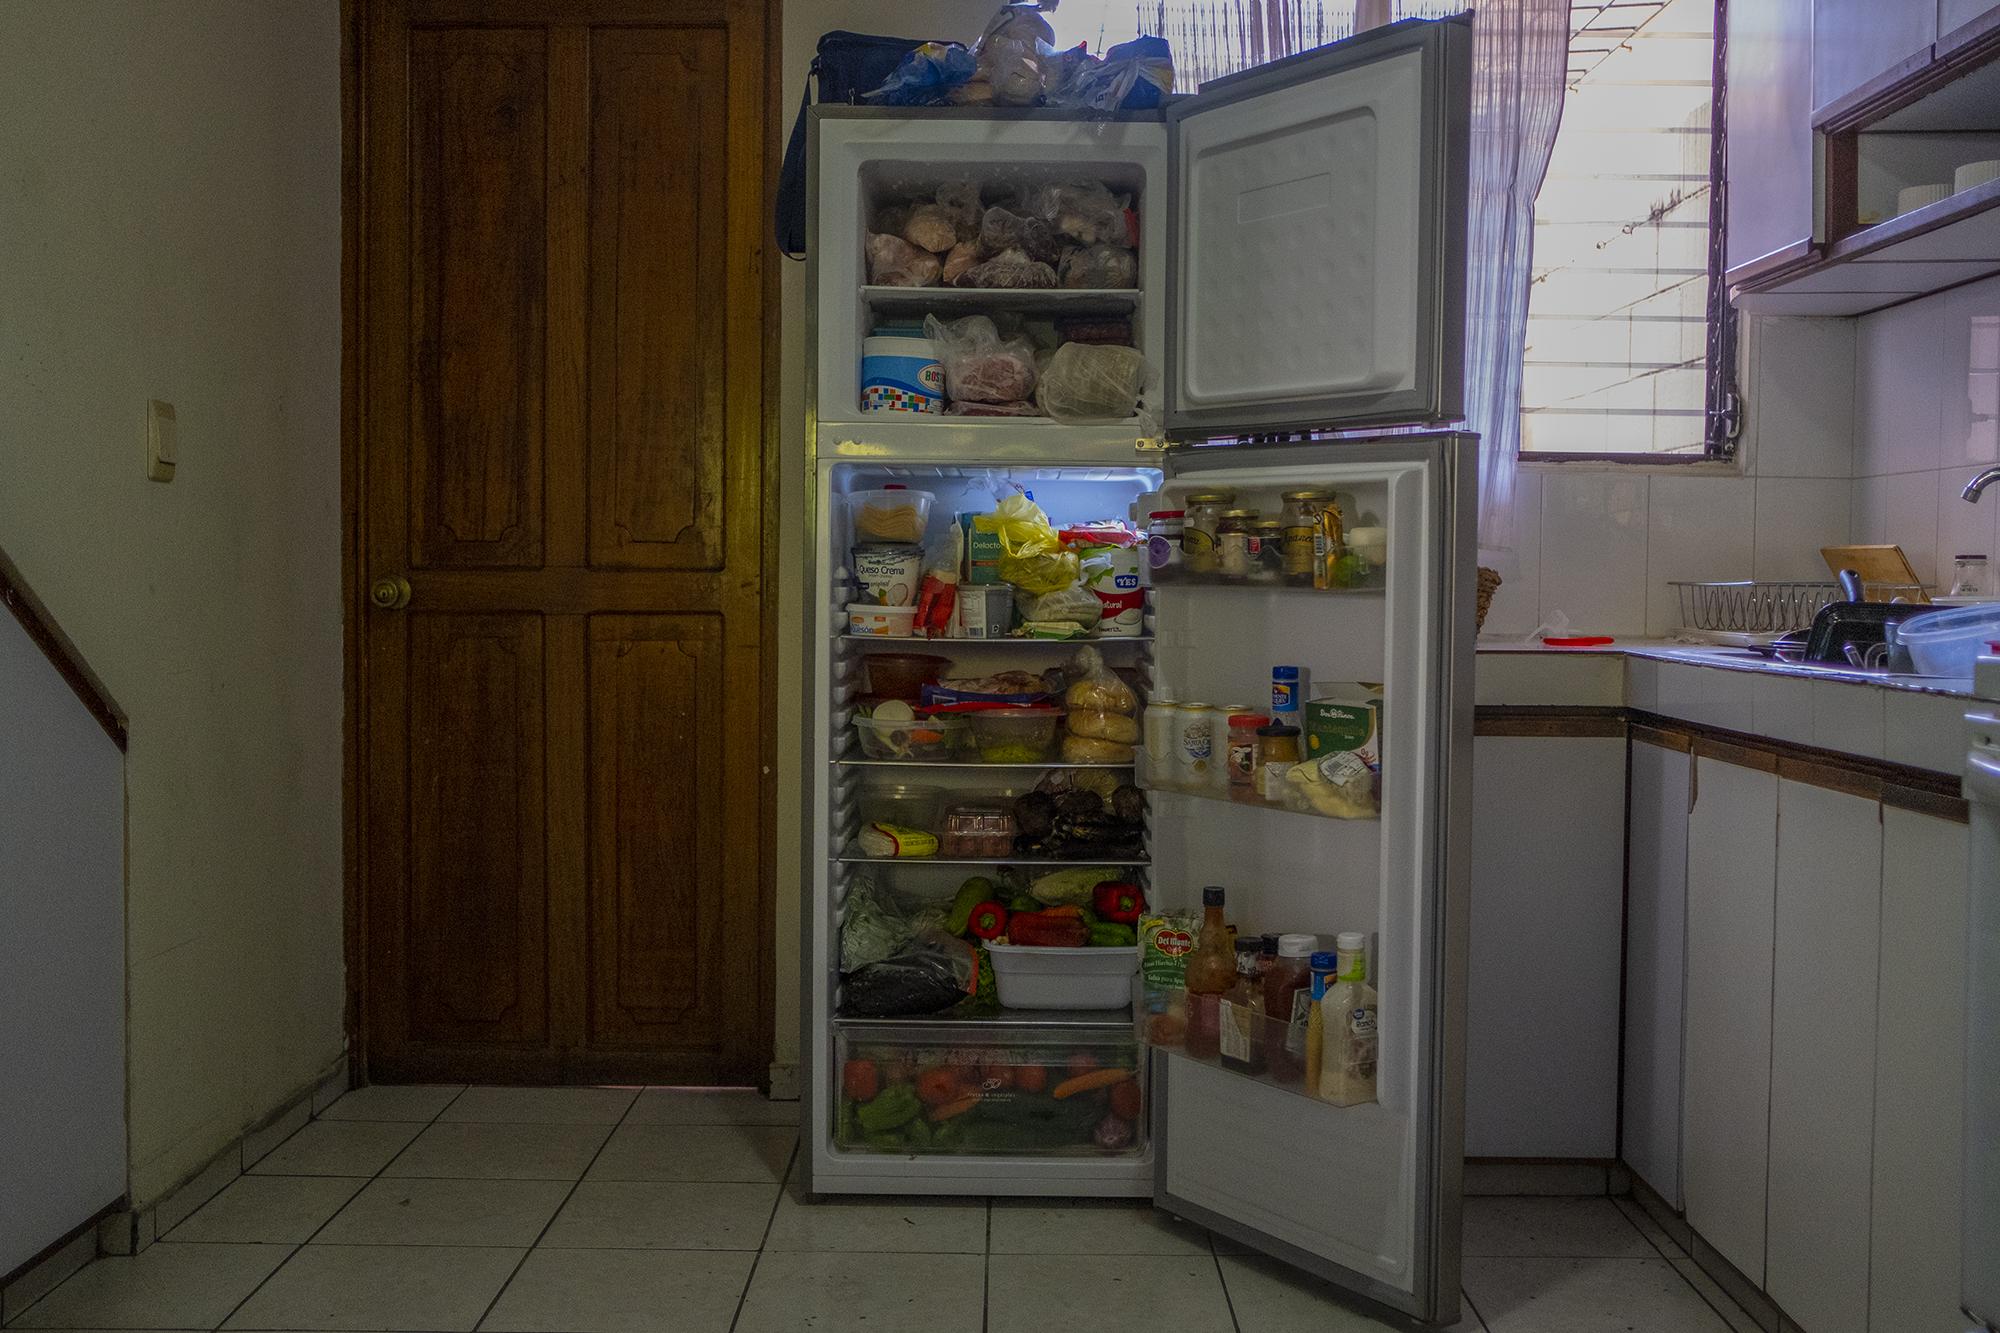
(888, 573)
(900, 374)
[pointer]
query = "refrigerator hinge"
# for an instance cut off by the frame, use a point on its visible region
(1155, 444)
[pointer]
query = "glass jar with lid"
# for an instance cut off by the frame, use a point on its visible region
(1968, 576)
(1201, 522)
(1267, 555)
(1299, 523)
(1233, 542)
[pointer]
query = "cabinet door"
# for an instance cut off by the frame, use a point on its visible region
(1769, 96)
(1541, 1048)
(1913, 1261)
(1854, 40)
(1655, 954)
(1952, 14)
(1823, 1054)
(1731, 887)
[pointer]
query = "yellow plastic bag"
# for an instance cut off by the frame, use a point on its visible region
(1032, 557)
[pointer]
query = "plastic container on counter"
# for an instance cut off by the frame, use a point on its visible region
(893, 514)
(1049, 977)
(922, 740)
(1947, 643)
(977, 831)
(903, 675)
(905, 804)
(888, 573)
(881, 622)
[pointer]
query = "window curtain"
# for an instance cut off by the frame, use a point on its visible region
(1520, 56)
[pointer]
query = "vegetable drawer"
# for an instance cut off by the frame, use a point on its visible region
(1061, 1088)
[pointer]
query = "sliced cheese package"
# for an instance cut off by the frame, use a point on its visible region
(895, 840)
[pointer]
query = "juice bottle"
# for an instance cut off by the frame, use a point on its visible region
(1348, 1009)
(1288, 1001)
(1325, 976)
(1211, 971)
(1241, 1020)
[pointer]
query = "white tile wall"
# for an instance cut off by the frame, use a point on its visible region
(1594, 540)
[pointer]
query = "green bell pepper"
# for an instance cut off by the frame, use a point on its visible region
(893, 1107)
(1113, 934)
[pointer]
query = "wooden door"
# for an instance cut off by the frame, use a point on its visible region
(558, 427)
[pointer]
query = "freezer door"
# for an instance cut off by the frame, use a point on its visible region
(1366, 1196)
(1316, 263)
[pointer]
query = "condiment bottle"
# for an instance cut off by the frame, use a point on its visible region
(1162, 722)
(1325, 976)
(1267, 957)
(1195, 746)
(1329, 544)
(1233, 543)
(1267, 556)
(1298, 528)
(1288, 1000)
(1163, 542)
(1211, 971)
(1349, 1011)
(1277, 751)
(1201, 525)
(1218, 771)
(1242, 754)
(1240, 1021)
(1288, 692)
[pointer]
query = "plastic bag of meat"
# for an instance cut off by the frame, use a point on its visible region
(930, 228)
(1011, 269)
(1098, 266)
(1095, 329)
(979, 365)
(1090, 382)
(962, 257)
(1086, 213)
(1001, 230)
(961, 202)
(894, 262)
(1020, 409)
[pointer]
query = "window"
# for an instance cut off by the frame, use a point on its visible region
(1629, 342)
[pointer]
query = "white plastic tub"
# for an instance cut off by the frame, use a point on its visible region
(1946, 643)
(1047, 977)
(882, 622)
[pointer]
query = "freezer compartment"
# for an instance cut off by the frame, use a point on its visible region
(1016, 1089)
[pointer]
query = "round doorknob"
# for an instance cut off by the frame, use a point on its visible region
(391, 593)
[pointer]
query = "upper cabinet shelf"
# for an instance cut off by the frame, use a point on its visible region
(1909, 184)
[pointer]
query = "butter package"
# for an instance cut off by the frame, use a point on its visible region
(1342, 772)
(982, 548)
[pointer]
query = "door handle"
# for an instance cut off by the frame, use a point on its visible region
(390, 593)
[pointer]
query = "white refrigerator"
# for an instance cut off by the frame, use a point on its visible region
(1301, 270)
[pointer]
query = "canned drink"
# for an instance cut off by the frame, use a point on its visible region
(1162, 728)
(1194, 748)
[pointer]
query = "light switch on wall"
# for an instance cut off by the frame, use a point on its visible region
(161, 448)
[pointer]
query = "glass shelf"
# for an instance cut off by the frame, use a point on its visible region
(1038, 764)
(1037, 862)
(983, 300)
(988, 1019)
(1374, 585)
(1246, 796)
(1010, 641)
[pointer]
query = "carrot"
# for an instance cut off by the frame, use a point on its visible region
(957, 1108)
(1095, 1079)
(1068, 910)
(938, 1085)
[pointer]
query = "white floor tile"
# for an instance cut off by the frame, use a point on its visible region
(1091, 1227)
(365, 1288)
(1030, 1293)
(622, 1215)
(447, 1212)
(623, 1291)
(1655, 1235)
(267, 1210)
(1551, 1228)
(167, 1286)
(1520, 1295)
(710, 1106)
(883, 1293)
(1734, 1315)
(879, 1225)
(752, 1154)
(1270, 1297)
(394, 1101)
(541, 1106)
(337, 1148)
(501, 1152)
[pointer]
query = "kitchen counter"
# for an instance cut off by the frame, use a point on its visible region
(1914, 720)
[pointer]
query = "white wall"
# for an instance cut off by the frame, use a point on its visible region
(169, 222)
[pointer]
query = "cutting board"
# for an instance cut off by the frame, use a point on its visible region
(1885, 571)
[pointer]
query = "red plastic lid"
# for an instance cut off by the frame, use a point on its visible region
(894, 486)
(1249, 720)
(1580, 641)
(990, 706)
(1169, 513)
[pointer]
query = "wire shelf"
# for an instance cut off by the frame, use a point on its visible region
(1753, 606)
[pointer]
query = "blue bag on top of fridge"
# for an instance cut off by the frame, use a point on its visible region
(926, 76)
(1133, 76)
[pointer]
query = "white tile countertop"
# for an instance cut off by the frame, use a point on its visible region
(1915, 720)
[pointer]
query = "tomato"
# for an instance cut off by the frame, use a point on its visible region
(938, 1085)
(1031, 1078)
(1080, 1063)
(860, 1080)
(1125, 1099)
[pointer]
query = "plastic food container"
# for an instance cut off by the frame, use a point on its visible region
(892, 514)
(985, 611)
(903, 675)
(1946, 643)
(900, 374)
(1032, 977)
(890, 573)
(1014, 733)
(925, 740)
(908, 804)
(881, 622)
(977, 832)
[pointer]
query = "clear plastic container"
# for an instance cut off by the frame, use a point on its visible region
(1053, 977)
(924, 740)
(1946, 643)
(892, 514)
(1014, 735)
(905, 804)
(903, 675)
(977, 832)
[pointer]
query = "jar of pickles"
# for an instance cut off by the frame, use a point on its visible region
(1267, 555)
(1201, 525)
(1233, 542)
(1299, 528)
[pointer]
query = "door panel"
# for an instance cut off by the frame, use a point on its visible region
(1655, 959)
(658, 150)
(478, 122)
(479, 908)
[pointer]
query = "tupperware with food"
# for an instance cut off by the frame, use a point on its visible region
(1009, 733)
(903, 675)
(978, 831)
(907, 804)
(892, 514)
(895, 731)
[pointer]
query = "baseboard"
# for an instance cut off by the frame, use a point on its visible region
(49, 1269)
(1733, 1282)
(1505, 1175)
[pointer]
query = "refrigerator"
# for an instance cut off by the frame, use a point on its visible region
(1300, 298)
(1980, 1244)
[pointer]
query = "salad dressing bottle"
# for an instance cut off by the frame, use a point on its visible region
(1211, 972)
(1347, 1019)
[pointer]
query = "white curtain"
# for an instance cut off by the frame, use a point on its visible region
(1520, 54)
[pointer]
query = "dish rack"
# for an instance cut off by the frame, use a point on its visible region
(1752, 606)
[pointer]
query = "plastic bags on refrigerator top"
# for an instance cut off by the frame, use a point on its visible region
(894, 262)
(1016, 53)
(926, 76)
(979, 365)
(1092, 382)
(1133, 76)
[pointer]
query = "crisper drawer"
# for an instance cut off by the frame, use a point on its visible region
(990, 1088)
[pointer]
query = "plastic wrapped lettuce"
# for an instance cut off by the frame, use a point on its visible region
(873, 925)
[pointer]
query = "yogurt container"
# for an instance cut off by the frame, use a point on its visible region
(889, 573)
(884, 622)
(900, 374)
(1112, 572)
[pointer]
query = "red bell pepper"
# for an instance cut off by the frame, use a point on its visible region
(988, 920)
(1115, 900)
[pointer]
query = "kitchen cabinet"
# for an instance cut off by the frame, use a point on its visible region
(1732, 844)
(1659, 785)
(1953, 14)
(1548, 837)
(1769, 101)
(1824, 960)
(1855, 40)
(1913, 1262)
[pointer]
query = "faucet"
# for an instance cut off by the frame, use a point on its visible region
(1977, 486)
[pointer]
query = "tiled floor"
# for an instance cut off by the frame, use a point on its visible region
(615, 1211)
